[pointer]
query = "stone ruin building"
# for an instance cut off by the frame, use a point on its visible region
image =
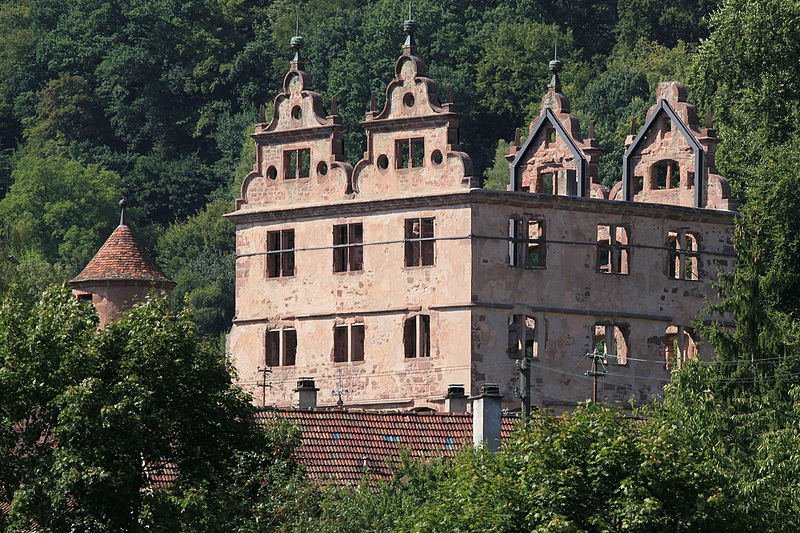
(391, 279)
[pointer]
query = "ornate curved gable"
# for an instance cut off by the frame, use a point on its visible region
(412, 143)
(555, 159)
(671, 159)
(299, 154)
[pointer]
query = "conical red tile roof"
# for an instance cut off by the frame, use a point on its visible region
(121, 258)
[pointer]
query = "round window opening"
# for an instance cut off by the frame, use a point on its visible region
(436, 157)
(297, 113)
(408, 100)
(322, 168)
(272, 173)
(383, 162)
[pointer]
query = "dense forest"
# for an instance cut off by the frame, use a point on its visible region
(153, 100)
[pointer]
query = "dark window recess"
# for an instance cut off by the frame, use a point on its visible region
(410, 153)
(613, 250)
(340, 344)
(297, 163)
(417, 336)
(420, 241)
(684, 255)
(667, 175)
(522, 335)
(280, 253)
(546, 183)
(348, 343)
(526, 244)
(85, 298)
(281, 347)
(348, 251)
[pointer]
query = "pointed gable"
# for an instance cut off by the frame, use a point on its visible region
(555, 159)
(121, 259)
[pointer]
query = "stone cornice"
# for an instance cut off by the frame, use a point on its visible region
(464, 198)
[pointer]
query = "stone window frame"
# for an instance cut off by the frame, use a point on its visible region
(286, 346)
(420, 325)
(299, 158)
(520, 244)
(622, 330)
(675, 348)
(618, 253)
(419, 249)
(348, 256)
(680, 254)
(354, 337)
(408, 151)
(280, 256)
(531, 346)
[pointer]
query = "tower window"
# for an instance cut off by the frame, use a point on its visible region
(522, 337)
(280, 253)
(419, 241)
(417, 336)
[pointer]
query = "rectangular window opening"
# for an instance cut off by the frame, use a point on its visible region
(340, 344)
(420, 242)
(417, 336)
(526, 247)
(611, 340)
(683, 255)
(348, 249)
(280, 253)
(613, 249)
(522, 337)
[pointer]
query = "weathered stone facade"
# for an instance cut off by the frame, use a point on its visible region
(398, 276)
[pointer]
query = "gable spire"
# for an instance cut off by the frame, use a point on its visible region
(410, 27)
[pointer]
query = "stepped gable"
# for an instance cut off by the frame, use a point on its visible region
(413, 142)
(555, 158)
(121, 258)
(300, 152)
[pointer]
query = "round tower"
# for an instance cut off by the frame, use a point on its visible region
(119, 275)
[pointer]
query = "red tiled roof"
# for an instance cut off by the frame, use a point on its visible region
(344, 447)
(121, 258)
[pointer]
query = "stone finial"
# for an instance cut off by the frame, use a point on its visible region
(709, 119)
(122, 205)
(373, 102)
(262, 114)
(297, 43)
(634, 126)
(671, 91)
(591, 129)
(555, 67)
(518, 137)
(334, 106)
(410, 27)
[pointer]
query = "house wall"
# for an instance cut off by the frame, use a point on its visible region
(381, 297)
(570, 295)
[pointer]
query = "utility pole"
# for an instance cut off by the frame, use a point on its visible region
(264, 370)
(524, 389)
(595, 373)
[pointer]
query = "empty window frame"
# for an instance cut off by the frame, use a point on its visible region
(297, 163)
(666, 175)
(683, 255)
(522, 337)
(417, 336)
(348, 249)
(612, 340)
(419, 233)
(280, 253)
(526, 244)
(281, 347)
(348, 343)
(679, 346)
(613, 249)
(410, 153)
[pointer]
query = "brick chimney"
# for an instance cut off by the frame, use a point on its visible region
(305, 394)
(455, 401)
(486, 414)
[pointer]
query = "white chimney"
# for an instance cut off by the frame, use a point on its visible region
(455, 401)
(305, 395)
(486, 417)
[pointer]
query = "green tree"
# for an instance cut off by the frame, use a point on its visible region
(199, 255)
(88, 419)
(66, 208)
